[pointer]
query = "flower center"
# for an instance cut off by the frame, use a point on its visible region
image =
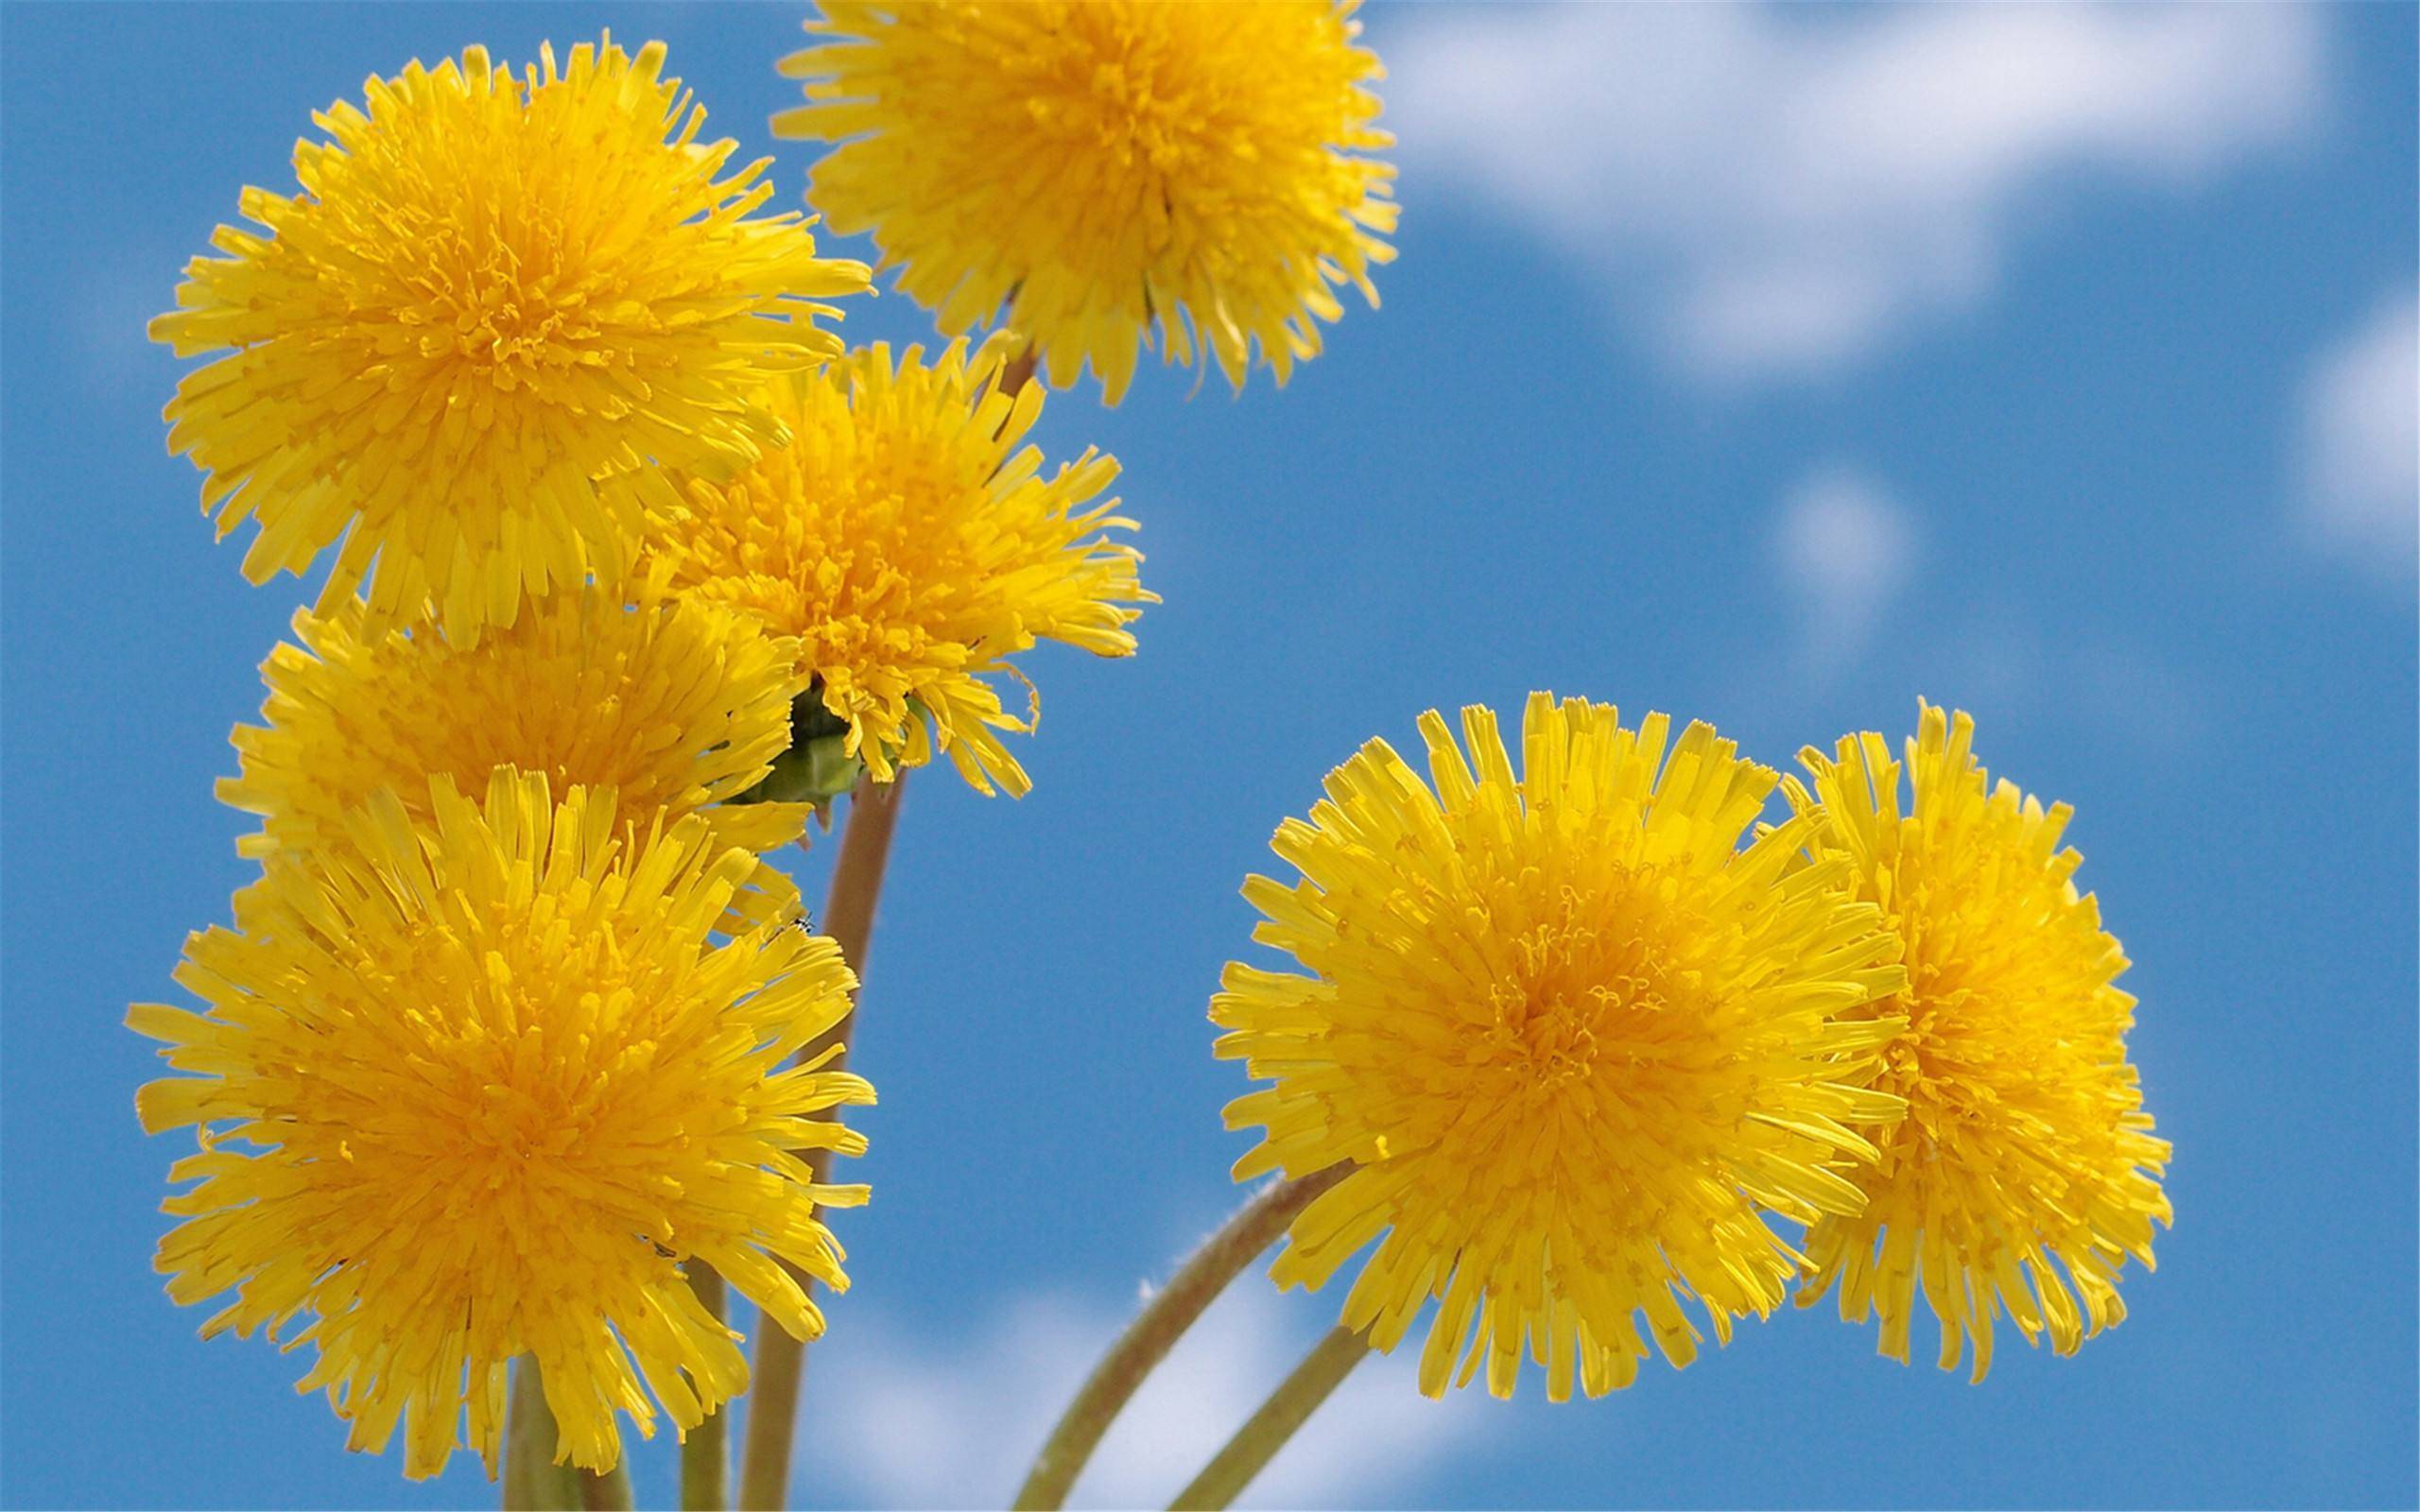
(1972, 1006)
(503, 311)
(1594, 1007)
(1546, 1017)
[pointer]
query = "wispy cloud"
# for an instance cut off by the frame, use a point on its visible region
(954, 1422)
(1844, 548)
(1785, 191)
(2362, 442)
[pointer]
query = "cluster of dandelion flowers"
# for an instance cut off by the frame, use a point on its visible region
(482, 1087)
(678, 707)
(494, 297)
(912, 547)
(2025, 1170)
(1570, 1038)
(1113, 172)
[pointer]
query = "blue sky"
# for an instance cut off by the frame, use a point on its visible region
(1768, 367)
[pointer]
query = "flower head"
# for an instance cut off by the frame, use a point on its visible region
(483, 1087)
(912, 549)
(1570, 1038)
(677, 707)
(2025, 1170)
(1108, 170)
(493, 301)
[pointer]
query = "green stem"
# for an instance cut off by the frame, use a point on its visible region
(1147, 1340)
(532, 1481)
(848, 917)
(1287, 1408)
(609, 1493)
(704, 1470)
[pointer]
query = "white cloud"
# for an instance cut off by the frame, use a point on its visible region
(2362, 488)
(909, 1423)
(1844, 548)
(1783, 191)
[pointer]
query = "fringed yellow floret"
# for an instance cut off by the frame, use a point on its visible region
(1113, 171)
(912, 548)
(2025, 1170)
(494, 297)
(677, 707)
(484, 1087)
(1569, 1039)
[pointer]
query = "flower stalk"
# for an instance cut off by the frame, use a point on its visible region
(1267, 1429)
(705, 1482)
(1018, 371)
(848, 918)
(1163, 1319)
(532, 1479)
(609, 1493)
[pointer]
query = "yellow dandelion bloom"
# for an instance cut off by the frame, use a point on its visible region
(1570, 1038)
(912, 547)
(678, 707)
(1193, 175)
(493, 299)
(2025, 1170)
(481, 1087)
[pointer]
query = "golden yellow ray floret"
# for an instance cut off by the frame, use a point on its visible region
(912, 547)
(2025, 1170)
(678, 707)
(485, 1086)
(1114, 171)
(494, 297)
(1570, 1040)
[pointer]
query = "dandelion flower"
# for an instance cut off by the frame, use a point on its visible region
(493, 299)
(2024, 1172)
(1193, 175)
(484, 1088)
(911, 548)
(1569, 1037)
(677, 707)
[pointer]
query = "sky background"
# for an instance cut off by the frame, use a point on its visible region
(1768, 367)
